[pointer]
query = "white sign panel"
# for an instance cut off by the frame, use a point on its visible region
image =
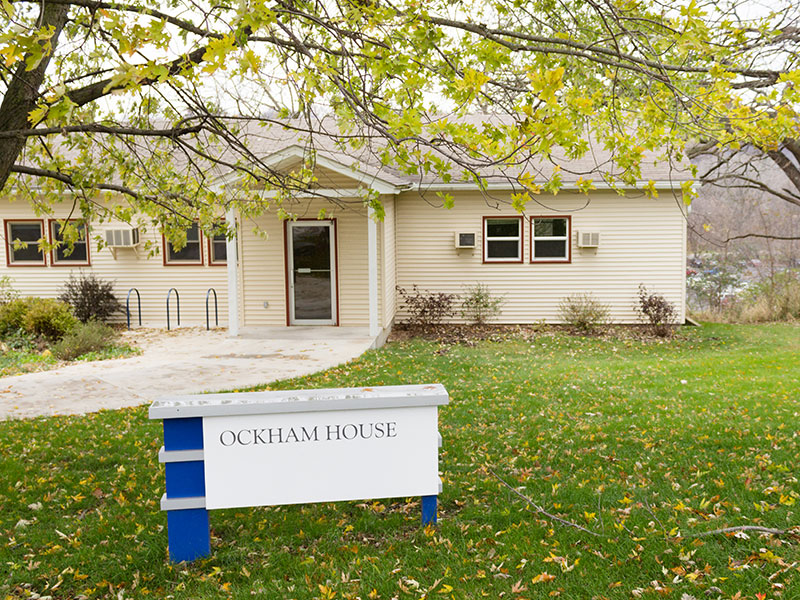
(292, 458)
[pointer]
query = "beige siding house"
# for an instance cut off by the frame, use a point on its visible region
(130, 267)
(343, 270)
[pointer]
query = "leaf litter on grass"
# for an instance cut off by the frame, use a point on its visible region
(602, 433)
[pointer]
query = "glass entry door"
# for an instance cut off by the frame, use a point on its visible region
(312, 273)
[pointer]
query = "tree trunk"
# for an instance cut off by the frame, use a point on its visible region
(23, 91)
(787, 165)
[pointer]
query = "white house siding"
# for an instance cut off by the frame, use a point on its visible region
(263, 266)
(127, 270)
(642, 241)
(330, 179)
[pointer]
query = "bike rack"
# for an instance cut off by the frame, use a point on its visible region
(216, 309)
(178, 303)
(128, 307)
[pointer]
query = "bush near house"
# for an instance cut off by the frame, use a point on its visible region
(91, 298)
(479, 305)
(426, 308)
(91, 336)
(583, 312)
(49, 319)
(37, 317)
(658, 312)
(36, 331)
(12, 316)
(7, 291)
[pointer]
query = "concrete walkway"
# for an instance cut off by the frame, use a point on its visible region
(182, 361)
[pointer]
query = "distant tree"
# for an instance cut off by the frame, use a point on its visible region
(742, 223)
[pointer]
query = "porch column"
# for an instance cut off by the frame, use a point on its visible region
(372, 267)
(231, 247)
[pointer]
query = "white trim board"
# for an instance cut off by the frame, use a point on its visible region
(291, 401)
(294, 152)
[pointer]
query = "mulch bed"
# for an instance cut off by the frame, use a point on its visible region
(456, 333)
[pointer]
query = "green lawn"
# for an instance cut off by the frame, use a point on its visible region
(640, 442)
(27, 360)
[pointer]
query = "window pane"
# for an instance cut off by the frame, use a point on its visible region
(504, 249)
(502, 227)
(219, 249)
(312, 295)
(63, 253)
(25, 232)
(549, 227)
(78, 253)
(312, 247)
(550, 249)
(193, 234)
(191, 251)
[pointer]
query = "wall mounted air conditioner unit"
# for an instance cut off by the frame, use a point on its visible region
(122, 238)
(588, 239)
(465, 240)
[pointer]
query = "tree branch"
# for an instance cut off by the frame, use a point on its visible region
(99, 128)
(757, 528)
(539, 509)
(99, 89)
(761, 235)
(110, 187)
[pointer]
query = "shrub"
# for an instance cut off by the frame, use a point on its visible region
(12, 316)
(426, 308)
(478, 304)
(583, 312)
(658, 312)
(20, 340)
(91, 336)
(776, 298)
(90, 298)
(7, 292)
(48, 318)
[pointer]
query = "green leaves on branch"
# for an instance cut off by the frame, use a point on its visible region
(402, 82)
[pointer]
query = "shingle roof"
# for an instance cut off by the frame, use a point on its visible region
(597, 161)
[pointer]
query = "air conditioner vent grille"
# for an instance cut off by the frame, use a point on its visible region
(465, 240)
(588, 239)
(122, 238)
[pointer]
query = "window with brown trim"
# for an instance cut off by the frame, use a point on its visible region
(190, 254)
(64, 255)
(502, 239)
(550, 239)
(218, 249)
(22, 242)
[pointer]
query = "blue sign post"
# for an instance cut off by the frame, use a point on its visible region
(187, 518)
(367, 443)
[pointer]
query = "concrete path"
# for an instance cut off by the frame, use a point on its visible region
(182, 361)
